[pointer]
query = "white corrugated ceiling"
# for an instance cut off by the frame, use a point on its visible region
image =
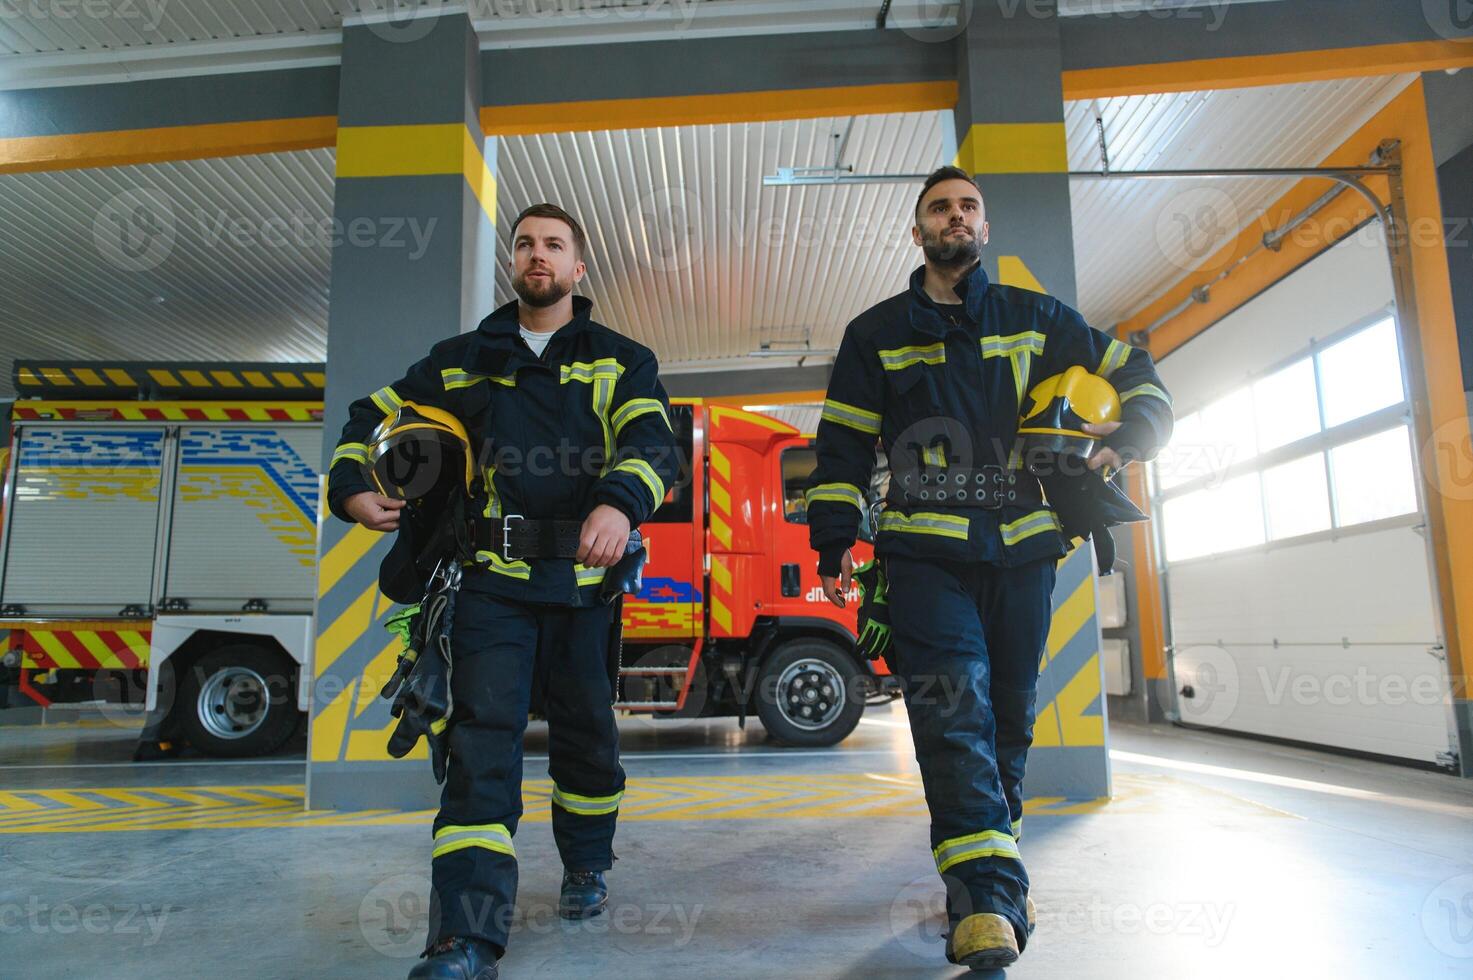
(689, 253)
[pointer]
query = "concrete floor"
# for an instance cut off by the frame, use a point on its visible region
(1217, 857)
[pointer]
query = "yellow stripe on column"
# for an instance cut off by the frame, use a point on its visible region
(344, 555)
(345, 630)
(399, 151)
(1012, 271)
(1014, 148)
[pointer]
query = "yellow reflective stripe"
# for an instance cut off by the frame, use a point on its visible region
(839, 493)
(350, 450)
(452, 378)
(634, 408)
(1027, 342)
(1028, 525)
(989, 843)
(588, 576)
(1115, 355)
(925, 522)
(437, 727)
(935, 456)
(903, 357)
(1017, 828)
(604, 368)
(852, 416)
(586, 806)
(1147, 389)
(647, 474)
(387, 399)
(492, 836)
(499, 565)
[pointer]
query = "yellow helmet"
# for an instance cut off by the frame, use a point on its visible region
(1058, 408)
(420, 452)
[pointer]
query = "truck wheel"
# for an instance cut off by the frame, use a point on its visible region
(809, 693)
(238, 700)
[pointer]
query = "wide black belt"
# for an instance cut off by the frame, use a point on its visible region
(983, 486)
(515, 537)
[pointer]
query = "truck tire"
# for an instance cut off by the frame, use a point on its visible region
(238, 700)
(809, 693)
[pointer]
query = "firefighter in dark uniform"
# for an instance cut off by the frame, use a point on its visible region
(575, 449)
(966, 542)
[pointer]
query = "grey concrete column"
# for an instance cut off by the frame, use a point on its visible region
(1010, 134)
(414, 210)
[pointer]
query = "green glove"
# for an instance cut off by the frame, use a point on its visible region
(874, 610)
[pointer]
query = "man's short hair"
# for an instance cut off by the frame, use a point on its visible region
(580, 240)
(937, 176)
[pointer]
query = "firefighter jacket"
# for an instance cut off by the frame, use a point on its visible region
(943, 386)
(587, 423)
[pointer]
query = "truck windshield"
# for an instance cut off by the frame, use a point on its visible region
(798, 464)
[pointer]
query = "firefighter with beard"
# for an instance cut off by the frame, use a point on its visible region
(571, 432)
(959, 596)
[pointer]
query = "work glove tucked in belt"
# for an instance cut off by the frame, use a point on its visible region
(420, 686)
(874, 610)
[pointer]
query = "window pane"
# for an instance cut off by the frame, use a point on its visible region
(1373, 477)
(1295, 498)
(1227, 430)
(1216, 519)
(1361, 373)
(1284, 406)
(1181, 460)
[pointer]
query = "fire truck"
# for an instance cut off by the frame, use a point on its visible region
(158, 553)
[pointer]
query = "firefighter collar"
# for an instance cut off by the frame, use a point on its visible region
(504, 321)
(924, 316)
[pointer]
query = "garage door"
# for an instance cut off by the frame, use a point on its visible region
(1299, 594)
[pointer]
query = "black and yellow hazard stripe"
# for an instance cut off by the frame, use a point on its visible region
(169, 380)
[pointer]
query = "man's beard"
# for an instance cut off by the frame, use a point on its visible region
(956, 253)
(541, 292)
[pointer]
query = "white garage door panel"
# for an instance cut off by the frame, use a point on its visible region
(1384, 694)
(1344, 286)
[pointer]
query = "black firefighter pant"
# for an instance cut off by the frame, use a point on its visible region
(497, 645)
(967, 643)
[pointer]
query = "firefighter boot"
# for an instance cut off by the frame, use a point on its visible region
(984, 941)
(457, 958)
(1032, 914)
(584, 894)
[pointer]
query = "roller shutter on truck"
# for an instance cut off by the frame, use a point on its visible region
(83, 520)
(244, 519)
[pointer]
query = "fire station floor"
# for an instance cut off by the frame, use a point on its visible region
(1216, 857)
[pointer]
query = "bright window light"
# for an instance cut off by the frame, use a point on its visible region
(1361, 373)
(1215, 519)
(1285, 407)
(1295, 497)
(1374, 477)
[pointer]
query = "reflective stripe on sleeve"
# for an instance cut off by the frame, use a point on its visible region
(647, 476)
(356, 451)
(839, 493)
(1115, 356)
(1148, 390)
(387, 400)
(852, 416)
(634, 408)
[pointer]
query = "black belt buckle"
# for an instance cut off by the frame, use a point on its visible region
(989, 487)
(506, 536)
